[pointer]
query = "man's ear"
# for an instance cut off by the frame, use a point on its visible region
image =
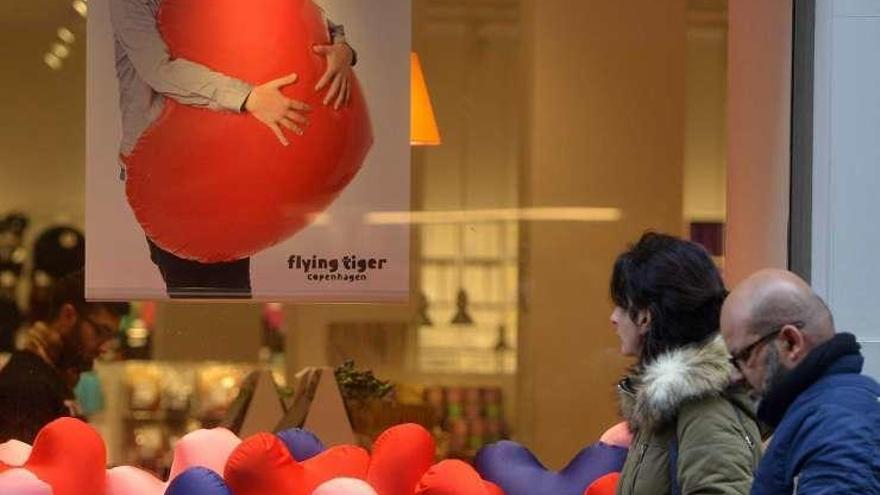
(794, 344)
(67, 317)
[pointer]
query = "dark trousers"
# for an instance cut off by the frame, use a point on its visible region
(191, 279)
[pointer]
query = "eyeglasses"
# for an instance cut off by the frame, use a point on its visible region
(740, 357)
(104, 331)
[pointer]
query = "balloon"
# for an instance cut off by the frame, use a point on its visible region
(127, 480)
(14, 453)
(218, 186)
(22, 482)
(345, 486)
(518, 472)
(69, 456)
(206, 448)
(263, 464)
(492, 488)
(341, 461)
(302, 444)
(401, 456)
(453, 477)
(618, 435)
(198, 481)
(606, 485)
(260, 465)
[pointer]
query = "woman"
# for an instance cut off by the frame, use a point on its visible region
(693, 433)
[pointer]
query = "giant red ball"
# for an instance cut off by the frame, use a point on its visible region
(217, 186)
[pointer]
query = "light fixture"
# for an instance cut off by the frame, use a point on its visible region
(422, 317)
(539, 214)
(53, 61)
(66, 35)
(423, 125)
(501, 344)
(60, 50)
(81, 7)
(462, 315)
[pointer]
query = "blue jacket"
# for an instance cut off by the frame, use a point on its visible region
(828, 440)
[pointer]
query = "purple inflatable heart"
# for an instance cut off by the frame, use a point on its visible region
(302, 444)
(198, 481)
(518, 472)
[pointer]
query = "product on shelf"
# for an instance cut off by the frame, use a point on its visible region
(144, 385)
(471, 417)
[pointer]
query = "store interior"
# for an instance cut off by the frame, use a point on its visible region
(567, 130)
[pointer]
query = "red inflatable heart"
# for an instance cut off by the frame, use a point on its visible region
(606, 485)
(401, 456)
(455, 478)
(217, 186)
(262, 464)
(70, 456)
(343, 461)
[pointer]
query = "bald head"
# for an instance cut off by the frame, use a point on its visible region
(770, 299)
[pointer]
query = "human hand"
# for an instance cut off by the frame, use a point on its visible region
(268, 105)
(338, 73)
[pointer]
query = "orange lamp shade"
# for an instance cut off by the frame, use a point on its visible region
(423, 125)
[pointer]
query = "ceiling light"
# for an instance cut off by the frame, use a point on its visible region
(52, 61)
(80, 7)
(60, 51)
(66, 35)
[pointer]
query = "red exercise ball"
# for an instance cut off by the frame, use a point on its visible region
(217, 186)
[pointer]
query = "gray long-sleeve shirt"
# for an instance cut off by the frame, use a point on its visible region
(147, 73)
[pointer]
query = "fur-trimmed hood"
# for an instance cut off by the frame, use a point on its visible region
(653, 397)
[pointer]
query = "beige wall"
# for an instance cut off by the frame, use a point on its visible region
(705, 148)
(208, 331)
(42, 137)
(759, 95)
(606, 128)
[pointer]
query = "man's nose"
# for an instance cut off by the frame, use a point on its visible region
(737, 377)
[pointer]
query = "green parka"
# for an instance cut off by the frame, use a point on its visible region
(685, 397)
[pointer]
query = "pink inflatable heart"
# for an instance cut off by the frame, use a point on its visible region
(127, 480)
(345, 486)
(14, 453)
(618, 436)
(22, 482)
(203, 448)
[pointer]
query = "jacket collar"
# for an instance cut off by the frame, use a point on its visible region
(839, 355)
(653, 396)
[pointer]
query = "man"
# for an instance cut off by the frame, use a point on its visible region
(36, 385)
(825, 413)
(147, 75)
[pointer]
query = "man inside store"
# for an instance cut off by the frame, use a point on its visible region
(36, 385)
(825, 412)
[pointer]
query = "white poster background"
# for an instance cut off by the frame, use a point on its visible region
(118, 264)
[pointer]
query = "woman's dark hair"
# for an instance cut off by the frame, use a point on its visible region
(677, 283)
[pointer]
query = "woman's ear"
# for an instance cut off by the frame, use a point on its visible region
(644, 322)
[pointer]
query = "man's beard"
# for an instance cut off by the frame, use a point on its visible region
(774, 372)
(72, 353)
